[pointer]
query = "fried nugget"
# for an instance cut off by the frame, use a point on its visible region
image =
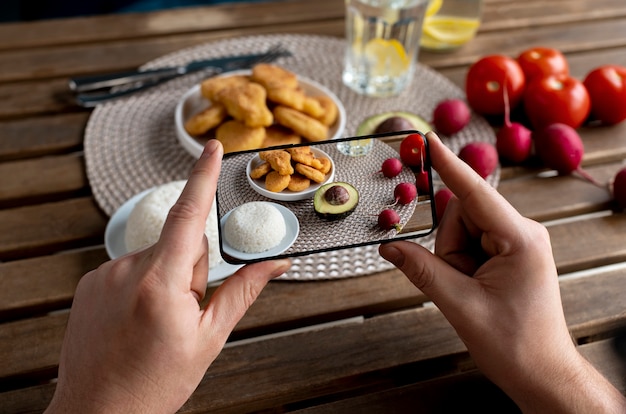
(246, 103)
(260, 170)
(280, 161)
(322, 164)
(313, 107)
(235, 136)
(273, 76)
(301, 124)
(293, 98)
(330, 110)
(209, 88)
(205, 120)
(276, 182)
(303, 155)
(311, 173)
(298, 182)
(276, 135)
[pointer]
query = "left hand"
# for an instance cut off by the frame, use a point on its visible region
(137, 340)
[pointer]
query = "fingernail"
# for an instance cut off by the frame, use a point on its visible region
(392, 254)
(281, 267)
(210, 147)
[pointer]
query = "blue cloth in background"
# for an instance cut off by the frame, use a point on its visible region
(26, 10)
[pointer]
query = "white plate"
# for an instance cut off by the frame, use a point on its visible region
(287, 195)
(115, 243)
(193, 102)
(292, 226)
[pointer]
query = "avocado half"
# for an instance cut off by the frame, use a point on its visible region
(328, 209)
(369, 125)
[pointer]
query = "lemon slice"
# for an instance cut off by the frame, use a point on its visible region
(388, 57)
(433, 7)
(449, 30)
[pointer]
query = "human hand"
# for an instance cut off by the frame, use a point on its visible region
(493, 277)
(137, 340)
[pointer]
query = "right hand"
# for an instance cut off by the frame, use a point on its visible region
(494, 278)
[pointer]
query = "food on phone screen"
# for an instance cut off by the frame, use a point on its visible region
(335, 201)
(254, 227)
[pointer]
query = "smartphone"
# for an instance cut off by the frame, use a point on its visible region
(332, 200)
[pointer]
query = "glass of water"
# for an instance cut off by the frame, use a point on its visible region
(383, 39)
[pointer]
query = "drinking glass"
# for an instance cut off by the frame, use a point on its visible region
(449, 24)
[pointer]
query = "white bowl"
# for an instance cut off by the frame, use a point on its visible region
(193, 102)
(287, 195)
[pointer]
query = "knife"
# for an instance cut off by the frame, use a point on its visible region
(216, 65)
(101, 88)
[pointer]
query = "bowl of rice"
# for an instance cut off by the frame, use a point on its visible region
(257, 230)
(139, 221)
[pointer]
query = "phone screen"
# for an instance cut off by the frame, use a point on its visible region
(300, 199)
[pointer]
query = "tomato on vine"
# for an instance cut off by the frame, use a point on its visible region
(542, 61)
(486, 80)
(607, 89)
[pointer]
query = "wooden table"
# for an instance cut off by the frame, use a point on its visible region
(365, 344)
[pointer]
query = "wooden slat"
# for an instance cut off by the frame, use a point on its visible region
(41, 136)
(42, 179)
(167, 22)
(50, 227)
(44, 283)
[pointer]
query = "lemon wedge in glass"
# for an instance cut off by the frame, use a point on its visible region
(388, 57)
(441, 31)
(433, 7)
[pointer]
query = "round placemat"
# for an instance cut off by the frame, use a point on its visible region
(131, 145)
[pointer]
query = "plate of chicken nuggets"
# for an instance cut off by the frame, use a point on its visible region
(266, 106)
(290, 174)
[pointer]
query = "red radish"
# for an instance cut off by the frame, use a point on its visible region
(481, 156)
(391, 167)
(619, 188)
(422, 183)
(560, 148)
(513, 141)
(442, 197)
(451, 116)
(412, 149)
(404, 193)
(388, 219)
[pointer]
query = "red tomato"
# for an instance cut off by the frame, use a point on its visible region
(556, 98)
(542, 61)
(484, 84)
(412, 150)
(607, 89)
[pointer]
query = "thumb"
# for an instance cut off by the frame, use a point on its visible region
(451, 290)
(236, 294)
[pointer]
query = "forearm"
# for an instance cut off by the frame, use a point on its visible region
(577, 388)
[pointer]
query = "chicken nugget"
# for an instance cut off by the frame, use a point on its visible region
(276, 182)
(209, 88)
(302, 124)
(235, 136)
(206, 119)
(293, 98)
(303, 155)
(323, 164)
(273, 76)
(311, 173)
(312, 107)
(330, 110)
(298, 182)
(276, 135)
(246, 103)
(260, 170)
(280, 161)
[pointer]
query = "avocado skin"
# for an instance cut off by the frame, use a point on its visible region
(369, 125)
(330, 212)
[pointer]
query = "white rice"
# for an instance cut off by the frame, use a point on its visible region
(147, 218)
(254, 227)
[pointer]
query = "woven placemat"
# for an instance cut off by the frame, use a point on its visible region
(131, 145)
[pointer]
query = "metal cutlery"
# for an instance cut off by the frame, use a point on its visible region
(93, 90)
